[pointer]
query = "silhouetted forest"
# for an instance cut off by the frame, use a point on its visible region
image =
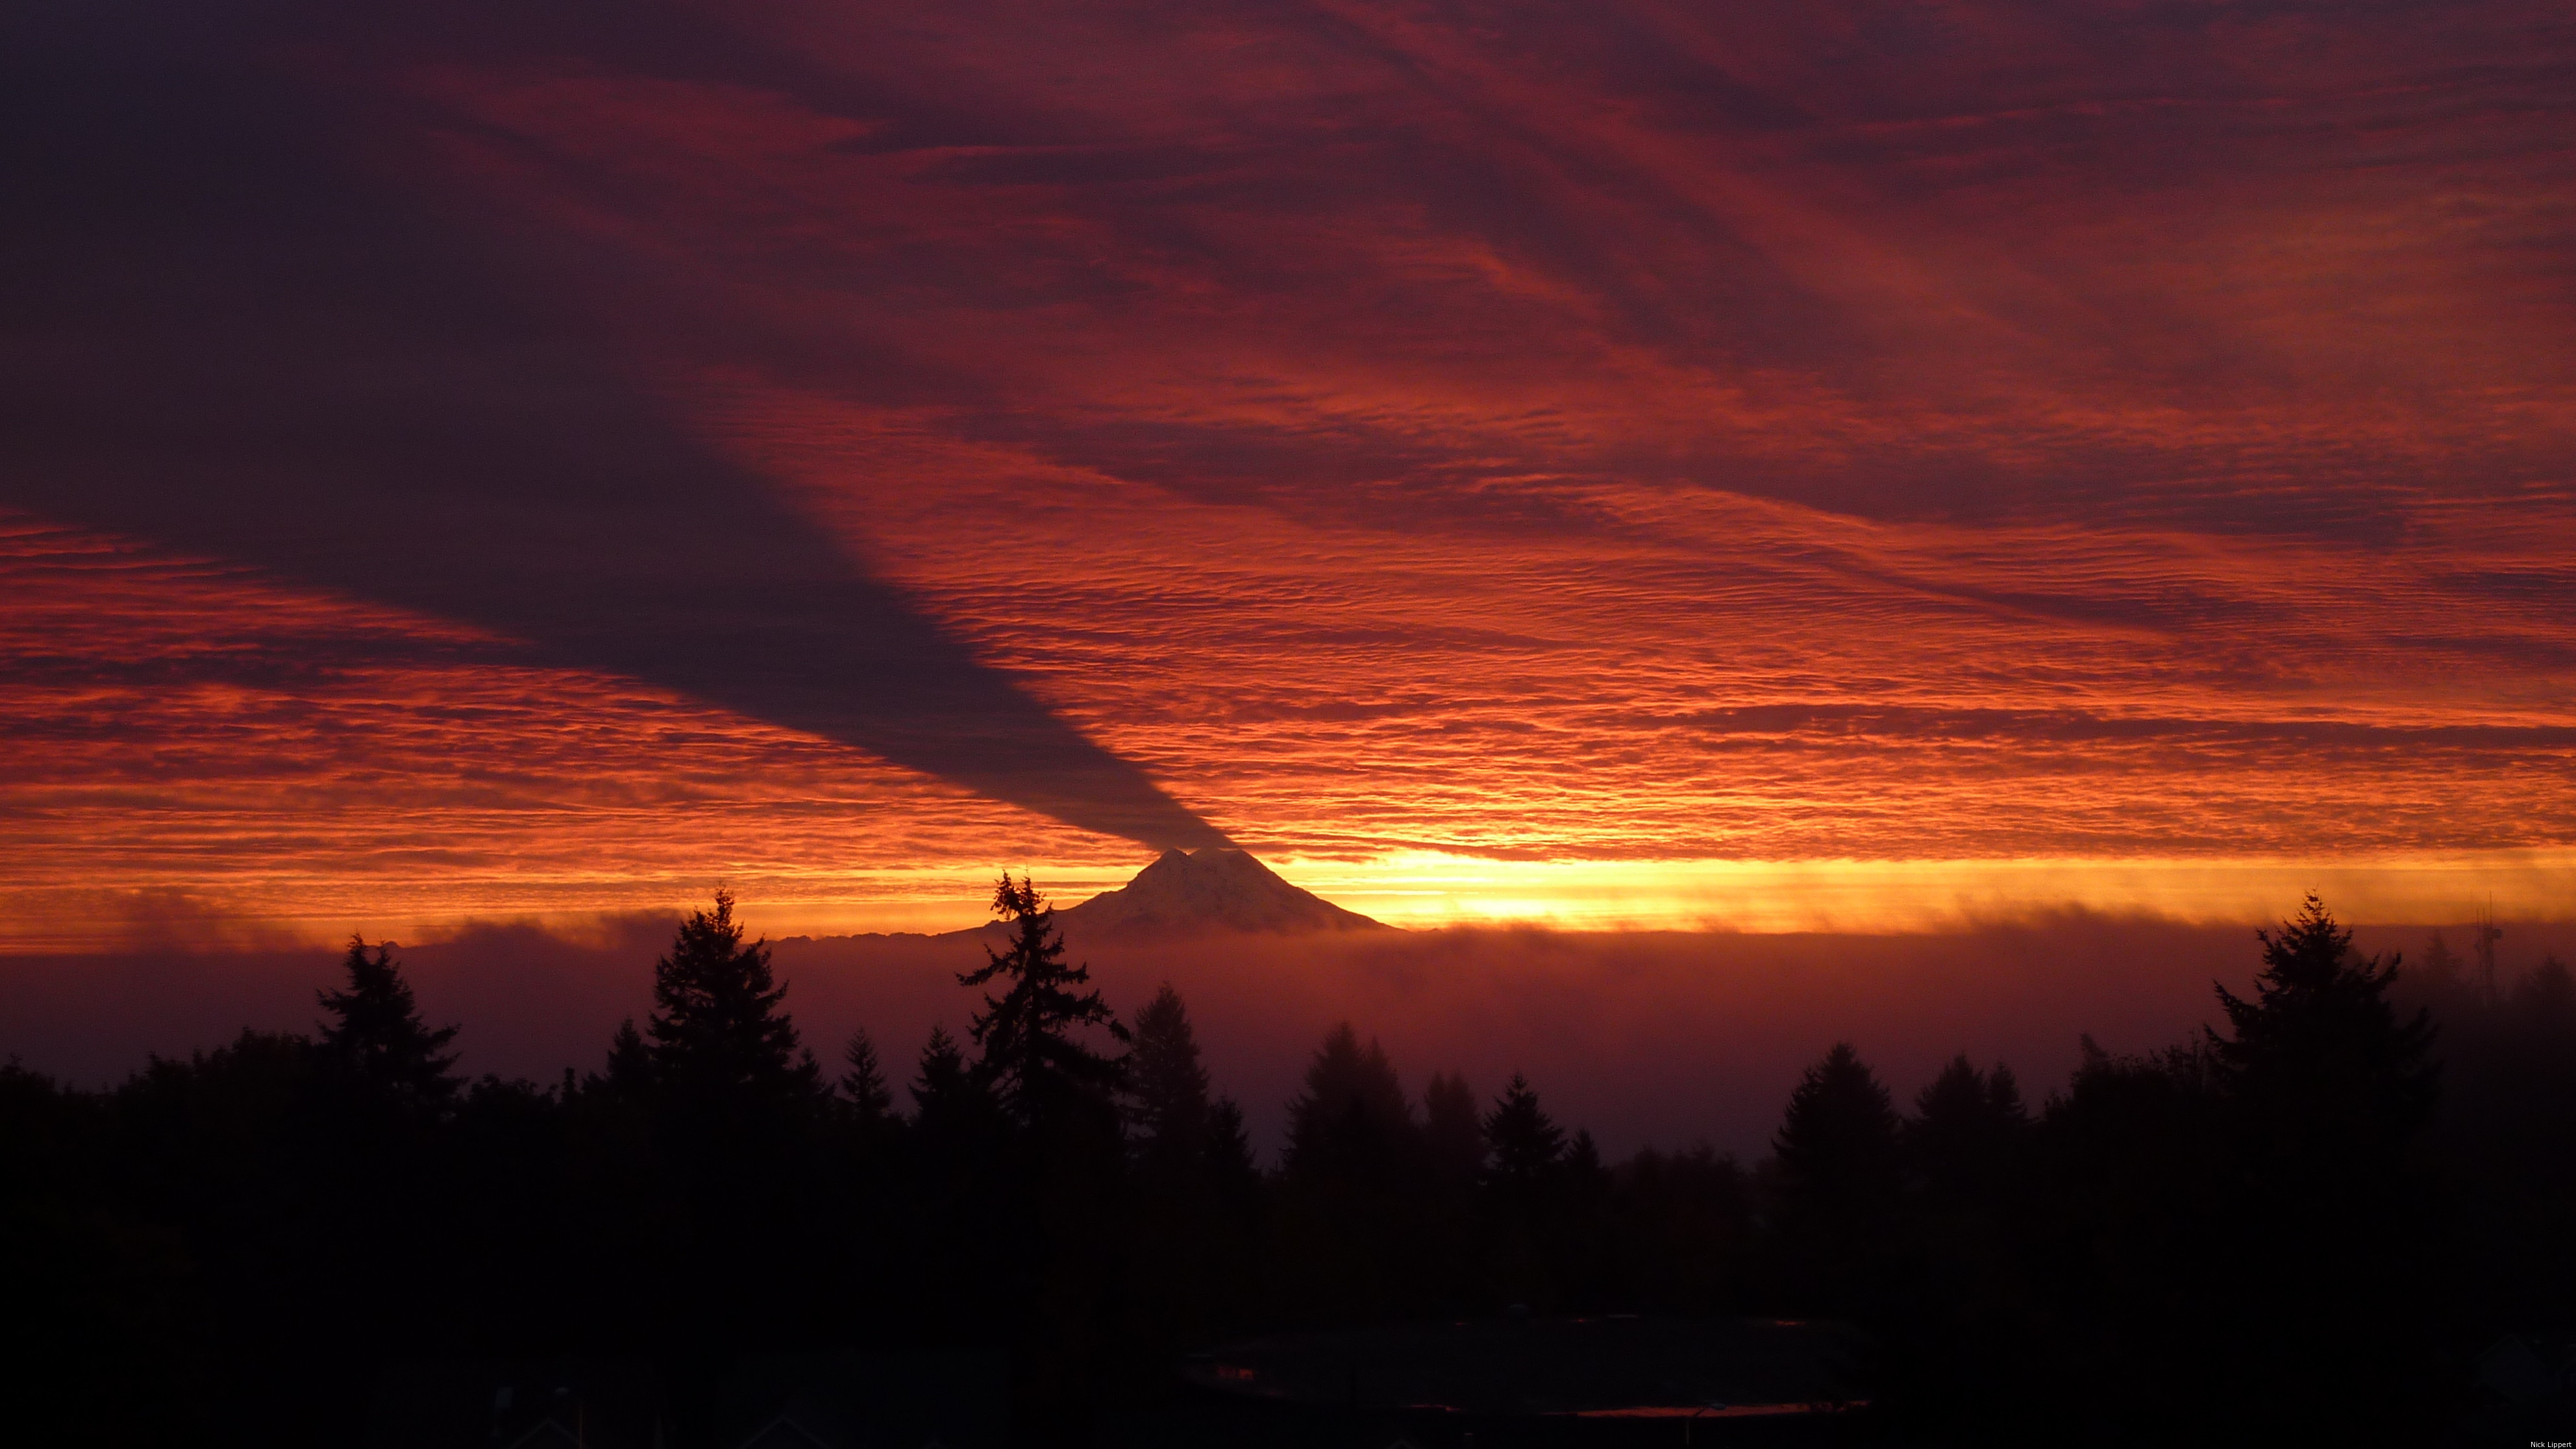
(2304, 1224)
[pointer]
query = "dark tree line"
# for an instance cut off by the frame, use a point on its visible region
(2300, 1224)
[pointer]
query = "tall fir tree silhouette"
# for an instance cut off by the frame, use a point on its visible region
(1581, 1166)
(375, 1033)
(1045, 1076)
(864, 1094)
(1967, 1126)
(957, 1122)
(1453, 1132)
(1840, 1172)
(942, 1079)
(1968, 1146)
(1167, 1084)
(2319, 1054)
(717, 1032)
(1229, 1152)
(1837, 1142)
(2543, 1003)
(955, 1117)
(1352, 1122)
(2329, 1092)
(1523, 1145)
(627, 1074)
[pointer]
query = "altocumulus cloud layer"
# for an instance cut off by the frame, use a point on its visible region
(236, 336)
(490, 460)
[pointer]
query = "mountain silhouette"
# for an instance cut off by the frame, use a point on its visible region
(1216, 889)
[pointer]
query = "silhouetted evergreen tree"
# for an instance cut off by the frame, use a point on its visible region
(735, 1108)
(1683, 1233)
(2442, 979)
(1063, 1096)
(2544, 1000)
(1523, 1145)
(2329, 1093)
(869, 1102)
(718, 1031)
(1959, 1327)
(1583, 1201)
(1167, 1086)
(956, 1162)
(1229, 1154)
(2439, 963)
(1351, 1122)
(1541, 1195)
(1358, 1238)
(388, 1083)
(2128, 1242)
(2004, 1105)
(1583, 1178)
(1195, 1190)
(2237, 1238)
(225, 1150)
(950, 1103)
(1840, 1171)
(99, 1347)
(1966, 1128)
(1582, 1163)
(371, 1146)
(2319, 1052)
(627, 1073)
(375, 1034)
(1453, 1132)
(2505, 1136)
(860, 1197)
(1837, 1144)
(1047, 1078)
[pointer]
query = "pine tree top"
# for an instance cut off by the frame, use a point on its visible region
(1453, 1129)
(951, 1104)
(1840, 1123)
(717, 1023)
(2320, 1029)
(1352, 1118)
(943, 1065)
(1167, 1083)
(863, 1083)
(1041, 1070)
(1522, 1140)
(376, 1032)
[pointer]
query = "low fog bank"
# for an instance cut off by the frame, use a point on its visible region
(1664, 1038)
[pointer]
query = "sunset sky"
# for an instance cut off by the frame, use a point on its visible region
(1854, 465)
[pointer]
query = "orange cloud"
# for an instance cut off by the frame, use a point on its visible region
(2066, 449)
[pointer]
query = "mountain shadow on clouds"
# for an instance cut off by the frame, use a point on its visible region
(1213, 890)
(227, 333)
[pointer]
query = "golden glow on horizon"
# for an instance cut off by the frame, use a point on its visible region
(405, 776)
(1418, 890)
(1431, 889)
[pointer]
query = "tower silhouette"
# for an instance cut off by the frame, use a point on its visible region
(2486, 933)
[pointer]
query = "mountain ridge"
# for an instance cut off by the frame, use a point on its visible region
(1217, 889)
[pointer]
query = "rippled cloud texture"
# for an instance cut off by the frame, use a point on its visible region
(533, 462)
